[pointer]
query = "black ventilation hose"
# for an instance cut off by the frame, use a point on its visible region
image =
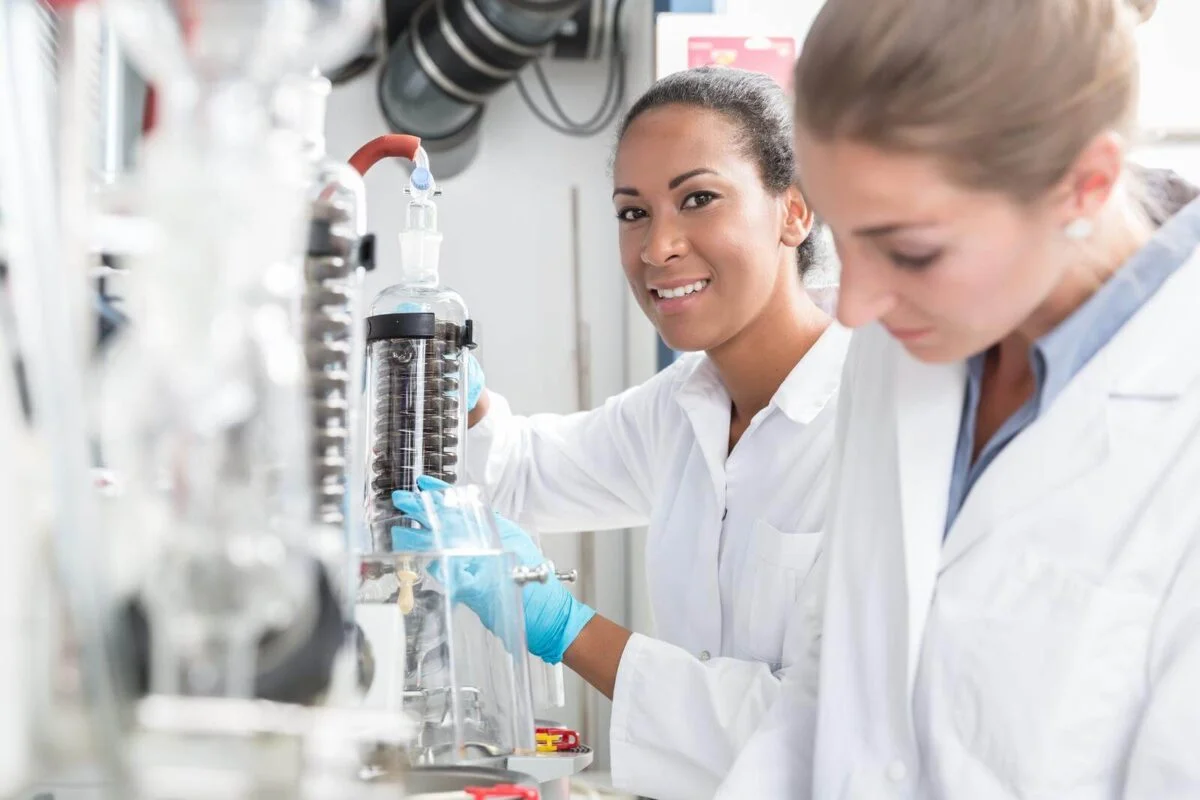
(564, 7)
(397, 14)
(454, 55)
(473, 48)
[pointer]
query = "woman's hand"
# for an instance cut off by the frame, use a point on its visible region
(553, 617)
(477, 395)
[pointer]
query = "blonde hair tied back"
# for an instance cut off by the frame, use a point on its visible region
(1005, 93)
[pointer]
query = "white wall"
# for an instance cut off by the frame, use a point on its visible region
(792, 15)
(508, 251)
(1170, 67)
(1170, 73)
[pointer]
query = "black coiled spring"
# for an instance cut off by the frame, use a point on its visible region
(330, 284)
(417, 411)
(441, 392)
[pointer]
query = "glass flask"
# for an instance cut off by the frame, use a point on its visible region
(416, 402)
(466, 684)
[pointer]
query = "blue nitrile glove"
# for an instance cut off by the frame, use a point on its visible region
(553, 617)
(474, 381)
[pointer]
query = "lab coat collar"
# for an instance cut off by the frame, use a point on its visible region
(1152, 358)
(1068, 440)
(702, 396)
(700, 383)
(1169, 319)
(814, 380)
(806, 390)
(1060, 354)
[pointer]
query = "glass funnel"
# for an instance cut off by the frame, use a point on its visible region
(422, 608)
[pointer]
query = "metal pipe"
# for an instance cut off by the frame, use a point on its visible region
(114, 97)
(583, 400)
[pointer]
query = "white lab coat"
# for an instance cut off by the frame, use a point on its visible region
(730, 543)
(1050, 648)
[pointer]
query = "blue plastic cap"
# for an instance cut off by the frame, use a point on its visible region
(421, 179)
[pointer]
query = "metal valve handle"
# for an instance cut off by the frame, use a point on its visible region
(539, 574)
(542, 573)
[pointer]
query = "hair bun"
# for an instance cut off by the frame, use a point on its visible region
(1144, 8)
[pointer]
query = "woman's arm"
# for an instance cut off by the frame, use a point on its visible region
(596, 653)
(593, 470)
(678, 723)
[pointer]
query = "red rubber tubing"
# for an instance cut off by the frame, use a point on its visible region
(390, 145)
(149, 110)
(187, 24)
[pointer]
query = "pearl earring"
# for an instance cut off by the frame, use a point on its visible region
(1079, 229)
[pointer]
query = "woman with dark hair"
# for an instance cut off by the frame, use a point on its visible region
(722, 455)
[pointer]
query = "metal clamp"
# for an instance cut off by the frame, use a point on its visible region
(542, 574)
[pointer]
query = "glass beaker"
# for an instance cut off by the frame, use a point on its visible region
(445, 624)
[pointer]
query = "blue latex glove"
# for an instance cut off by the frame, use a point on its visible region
(553, 617)
(474, 381)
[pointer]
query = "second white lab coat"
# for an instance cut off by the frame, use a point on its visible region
(1050, 647)
(730, 543)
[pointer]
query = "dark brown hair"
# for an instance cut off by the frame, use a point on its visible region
(756, 104)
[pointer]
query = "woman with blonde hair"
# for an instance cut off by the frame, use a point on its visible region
(1011, 602)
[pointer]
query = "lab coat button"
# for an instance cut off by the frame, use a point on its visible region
(896, 771)
(705, 655)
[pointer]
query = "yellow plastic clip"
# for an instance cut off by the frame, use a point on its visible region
(548, 742)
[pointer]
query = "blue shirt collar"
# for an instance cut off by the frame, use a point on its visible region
(1059, 355)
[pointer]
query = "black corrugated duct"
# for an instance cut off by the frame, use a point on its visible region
(452, 57)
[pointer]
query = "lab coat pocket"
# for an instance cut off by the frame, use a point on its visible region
(780, 564)
(1052, 676)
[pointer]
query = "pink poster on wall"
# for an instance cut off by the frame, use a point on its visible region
(774, 56)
